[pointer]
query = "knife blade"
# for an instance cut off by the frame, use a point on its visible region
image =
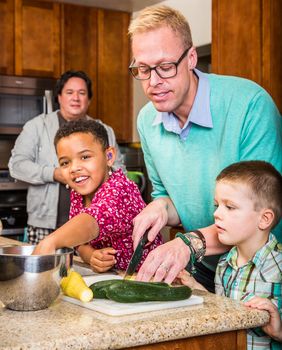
(136, 257)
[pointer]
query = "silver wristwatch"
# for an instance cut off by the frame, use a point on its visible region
(198, 242)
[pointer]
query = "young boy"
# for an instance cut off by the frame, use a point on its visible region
(248, 202)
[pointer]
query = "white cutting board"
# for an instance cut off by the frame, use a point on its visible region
(113, 308)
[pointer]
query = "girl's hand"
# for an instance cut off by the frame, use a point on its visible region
(103, 259)
(44, 247)
(274, 327)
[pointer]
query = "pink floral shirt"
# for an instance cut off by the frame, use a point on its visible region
(114, 206)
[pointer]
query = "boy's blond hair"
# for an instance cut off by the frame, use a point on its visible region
(264, 181)
(154, 17)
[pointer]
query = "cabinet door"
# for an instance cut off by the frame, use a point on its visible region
(246, 42)
(114, 82)
(272, 52)
(7, 36)
(236, 38)
(79, 45)
(37, 47)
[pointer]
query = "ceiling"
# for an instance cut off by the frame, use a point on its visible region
(119, 5)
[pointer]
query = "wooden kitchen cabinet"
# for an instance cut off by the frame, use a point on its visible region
(96, 41)
(79, 44)
(42, 38)
(246, 42)
(114, 82)
(234, 340)
(7, 36)
(37, 38)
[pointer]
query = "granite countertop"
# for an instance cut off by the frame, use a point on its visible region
(64, 325)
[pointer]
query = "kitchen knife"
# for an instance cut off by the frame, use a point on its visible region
(136, 257)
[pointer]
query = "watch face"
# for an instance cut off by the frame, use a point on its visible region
(201, 257)
(199, 247)
(201, 237)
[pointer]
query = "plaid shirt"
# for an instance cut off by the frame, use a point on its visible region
(261, 276)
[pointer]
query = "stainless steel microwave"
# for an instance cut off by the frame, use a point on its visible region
(21, 99)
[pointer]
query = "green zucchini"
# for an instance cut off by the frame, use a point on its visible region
(133, 292)
(99, 288)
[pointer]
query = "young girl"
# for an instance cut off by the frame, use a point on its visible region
(103, 203)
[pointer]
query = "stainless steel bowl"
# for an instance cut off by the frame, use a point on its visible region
(31, 282)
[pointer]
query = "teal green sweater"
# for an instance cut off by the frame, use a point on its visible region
(246, 125)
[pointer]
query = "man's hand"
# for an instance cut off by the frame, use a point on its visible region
(103, 259)
(153, 217)
(165, 262)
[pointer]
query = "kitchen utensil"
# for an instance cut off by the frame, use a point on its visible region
(137, 255)
(31, 282)
(113, 308)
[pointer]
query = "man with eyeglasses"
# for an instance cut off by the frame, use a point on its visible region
(194, 125)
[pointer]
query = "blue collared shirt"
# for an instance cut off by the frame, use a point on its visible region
(200, 113)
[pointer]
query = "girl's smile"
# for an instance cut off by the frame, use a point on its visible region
(80, 179)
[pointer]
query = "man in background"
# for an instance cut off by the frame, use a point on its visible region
(34, 159)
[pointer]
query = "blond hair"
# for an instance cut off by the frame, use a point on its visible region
(154, 17)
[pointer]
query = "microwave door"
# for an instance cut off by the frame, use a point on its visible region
(48, 101)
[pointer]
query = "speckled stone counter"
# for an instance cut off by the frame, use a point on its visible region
(67, 326)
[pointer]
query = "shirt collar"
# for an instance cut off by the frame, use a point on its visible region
(200, 113)
(262, 253)
(258, 258)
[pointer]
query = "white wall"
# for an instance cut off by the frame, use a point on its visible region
(198, 14)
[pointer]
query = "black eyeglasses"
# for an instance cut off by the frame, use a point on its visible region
(164, 70)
